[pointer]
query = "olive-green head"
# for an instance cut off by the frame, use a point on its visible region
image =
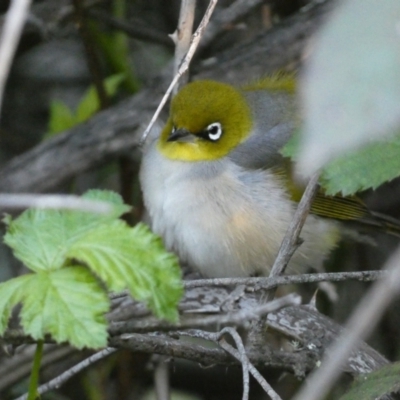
(207, 120)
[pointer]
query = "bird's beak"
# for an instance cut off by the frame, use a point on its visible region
(181, 135)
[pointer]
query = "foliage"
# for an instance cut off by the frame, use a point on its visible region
(69, 251)
(62, 118)
(365, 168)
(376, 385)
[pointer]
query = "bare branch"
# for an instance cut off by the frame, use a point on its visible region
(259, 378)
(182, 38)
(361, 323)
(10, 36)
(161, 378)
(53, 201)
(265, 283)
(291, 240)
(184, 64)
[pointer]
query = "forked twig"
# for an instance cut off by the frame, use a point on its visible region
(183, 66)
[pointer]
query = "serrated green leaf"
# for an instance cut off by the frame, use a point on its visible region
(10, 296)
(366, 168)
(61, 118)
(119, 208)
(373, 386)
(41, 238)
(69, 304)
(133, 259)
(90, 102)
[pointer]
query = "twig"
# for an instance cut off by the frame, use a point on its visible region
(291, 240)
(362, 321)
(253, 370)
(10, 36)
(238, 318)
(161, 378)
(239, 354)
(52, 201)
(183, 67)
(182, 37)
(273, 282)
(65, 376)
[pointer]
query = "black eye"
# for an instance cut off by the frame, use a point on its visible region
(214, 131)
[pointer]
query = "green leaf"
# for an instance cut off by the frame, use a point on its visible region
(133, 259)
(90, 104)
(42, 238)
(375, 385)
(69, 304)
(61, 118)
(10, 296)
(366, 168)
(351, 86)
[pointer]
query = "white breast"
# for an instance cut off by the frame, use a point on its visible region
(222, 220)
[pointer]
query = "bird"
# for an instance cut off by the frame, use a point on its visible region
(219, 192)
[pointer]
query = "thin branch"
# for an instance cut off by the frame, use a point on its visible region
(52, 201)
(361, 323)
(239, 354)
(161, 378)
(265, 283)
(291, 240)
(68, 374)
(182, 38)
(237, 318)
(253, 370)
(10, 35)
(183, 67)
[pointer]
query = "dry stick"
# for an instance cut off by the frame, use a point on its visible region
(240, 354)
(182, 37)
(254, 371)
(65, 376)
(161, 379)
(265, 283)
(183, 67)
(291, 240)
(12, 29)
(238, 318)
(362, 321)
(50, 201)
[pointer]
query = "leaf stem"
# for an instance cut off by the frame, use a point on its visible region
(34, 379)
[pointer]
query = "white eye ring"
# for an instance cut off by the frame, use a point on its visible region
(214, 131)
